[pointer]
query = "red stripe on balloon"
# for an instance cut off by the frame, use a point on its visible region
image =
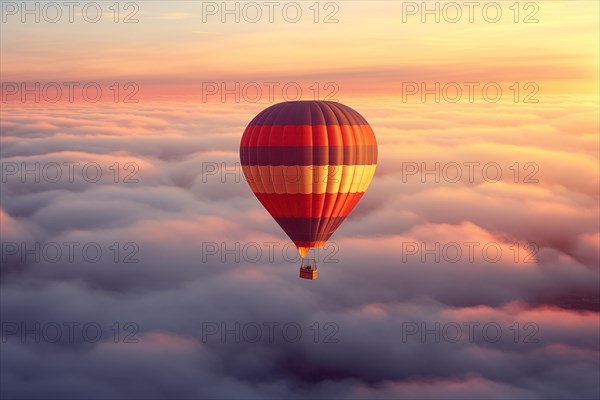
(308, 135)
(308, 205)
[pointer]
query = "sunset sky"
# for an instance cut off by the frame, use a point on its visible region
(517, 175)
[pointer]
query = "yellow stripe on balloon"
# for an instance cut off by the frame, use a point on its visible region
(307, 179)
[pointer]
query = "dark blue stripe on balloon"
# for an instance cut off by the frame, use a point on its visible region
(308, 113)
(308, 155)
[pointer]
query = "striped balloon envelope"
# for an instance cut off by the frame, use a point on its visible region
(308, 163)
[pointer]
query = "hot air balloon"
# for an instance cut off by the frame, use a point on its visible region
(308, 163)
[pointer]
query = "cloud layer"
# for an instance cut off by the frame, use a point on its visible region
(476, 285)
